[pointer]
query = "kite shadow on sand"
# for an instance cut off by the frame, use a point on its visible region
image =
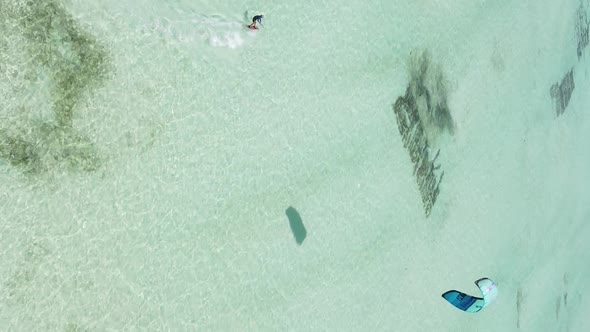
(296, 224)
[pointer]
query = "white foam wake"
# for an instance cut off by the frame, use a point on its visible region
(213, 30)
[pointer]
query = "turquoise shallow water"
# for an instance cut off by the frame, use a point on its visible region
(150, 151)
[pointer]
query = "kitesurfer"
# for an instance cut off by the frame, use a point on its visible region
(257, 18)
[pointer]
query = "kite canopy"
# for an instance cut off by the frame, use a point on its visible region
(488, 289)
(469, 303)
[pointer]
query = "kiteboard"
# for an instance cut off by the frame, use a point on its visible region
(252, 27)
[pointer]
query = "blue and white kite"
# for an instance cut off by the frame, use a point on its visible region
(471, 303)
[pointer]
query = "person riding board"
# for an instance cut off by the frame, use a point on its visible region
(257, 18)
